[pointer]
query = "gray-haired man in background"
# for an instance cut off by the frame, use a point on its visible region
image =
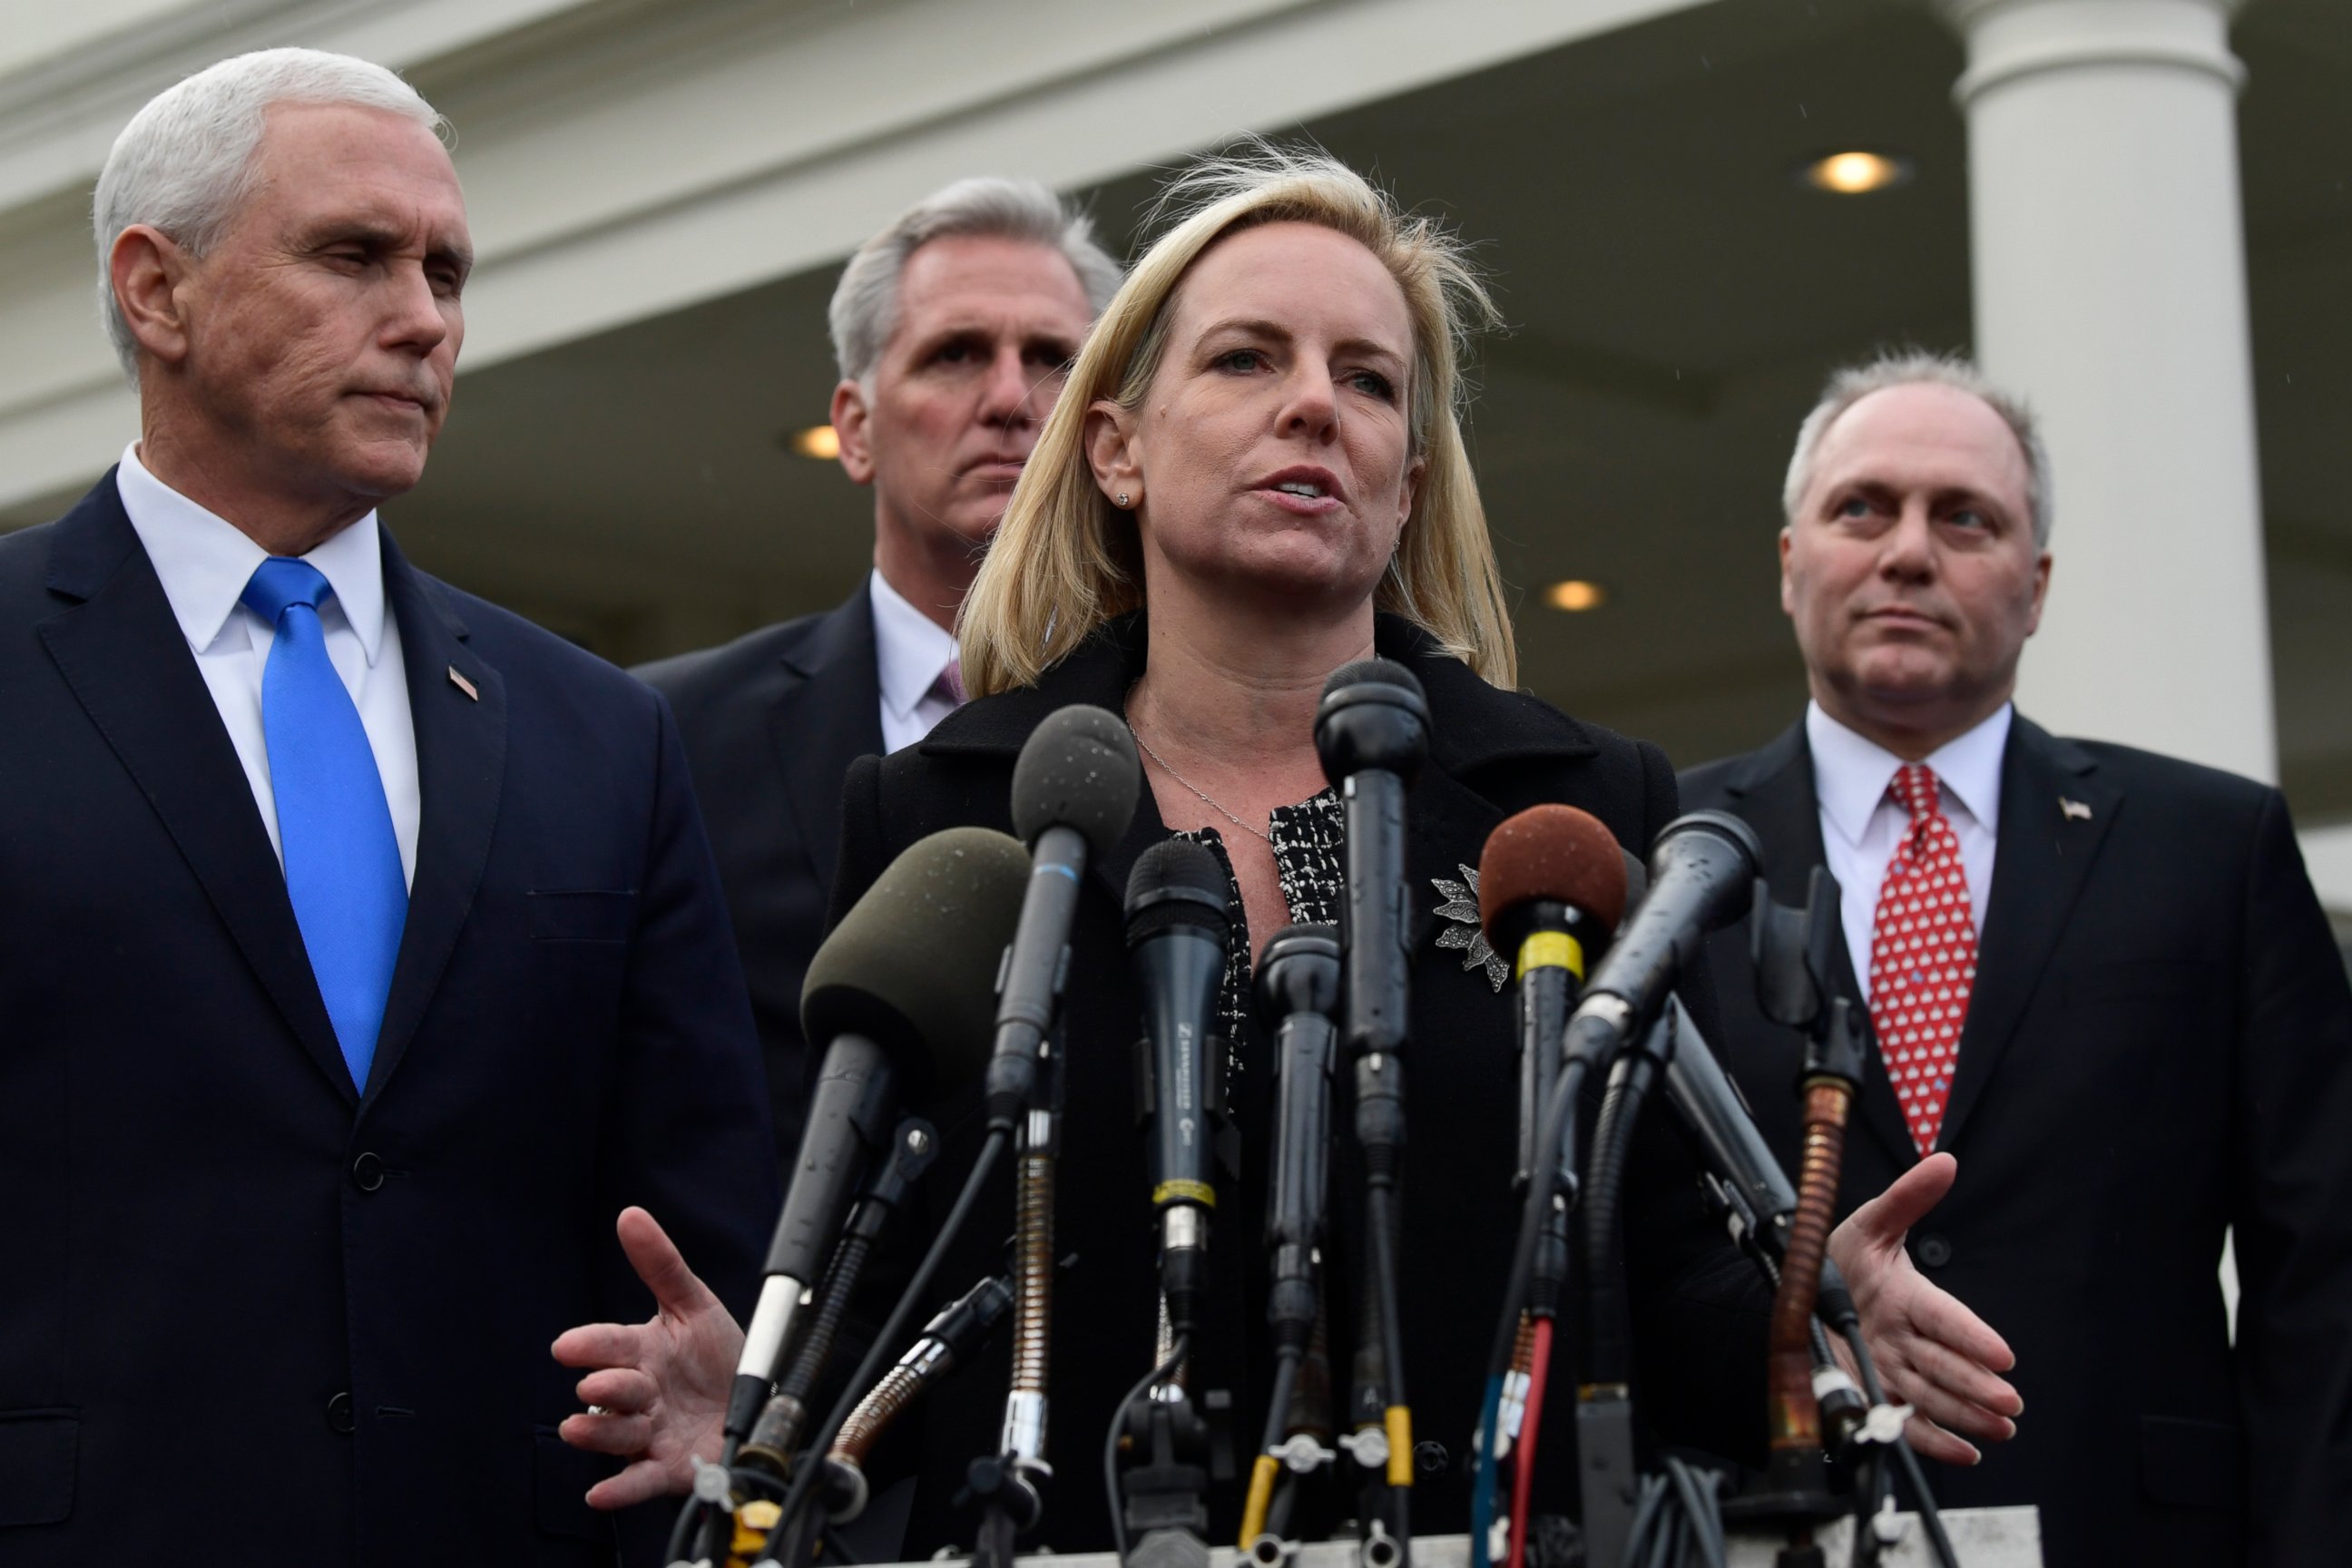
(953, 328)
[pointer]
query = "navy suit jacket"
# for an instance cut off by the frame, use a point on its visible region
(771, 723)
(251, 1312)
(2158, 1045)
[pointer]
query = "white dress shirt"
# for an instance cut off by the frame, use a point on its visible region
(204, 562)
(910, 649)
(1862, 822)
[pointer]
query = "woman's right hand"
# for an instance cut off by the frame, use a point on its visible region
(656, 1391)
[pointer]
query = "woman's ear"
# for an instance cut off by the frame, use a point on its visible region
(1408, 493)
(1114, 454)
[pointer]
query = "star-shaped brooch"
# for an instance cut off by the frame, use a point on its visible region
(1462, 930)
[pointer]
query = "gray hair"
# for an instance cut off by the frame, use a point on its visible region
(184, 163)
(865, 310)
(1918, 367)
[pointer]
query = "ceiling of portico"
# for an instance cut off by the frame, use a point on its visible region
(1674, 297)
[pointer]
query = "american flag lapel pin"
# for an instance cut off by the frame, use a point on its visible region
(2073, 810)
(466, 686)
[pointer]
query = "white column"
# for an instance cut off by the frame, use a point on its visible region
(2109, 263)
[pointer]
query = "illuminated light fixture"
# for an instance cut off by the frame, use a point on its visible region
(1576, 595)
(1856, 173)
(822, 442)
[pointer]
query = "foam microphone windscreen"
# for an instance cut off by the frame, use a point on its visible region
(1078, 770)
(912, 966)
(1176, 883)
(1554, 852)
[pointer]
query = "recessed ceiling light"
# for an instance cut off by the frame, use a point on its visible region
(822, 442)
(1856, 173)
(1576, 595)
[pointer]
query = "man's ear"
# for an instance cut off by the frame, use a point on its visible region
(146, 268)
(849, 423)
(1788, 589)
(1113, 453)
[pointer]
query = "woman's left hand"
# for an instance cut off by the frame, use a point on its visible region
(1933, 1353)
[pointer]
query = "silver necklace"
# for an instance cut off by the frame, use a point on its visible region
(1206, 798)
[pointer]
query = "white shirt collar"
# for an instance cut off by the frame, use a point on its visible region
(909, 648)
(205, 561)
(1851, 773)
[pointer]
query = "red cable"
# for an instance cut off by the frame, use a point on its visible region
(1523, 1457)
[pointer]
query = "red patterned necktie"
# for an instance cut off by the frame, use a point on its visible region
(1923, 958)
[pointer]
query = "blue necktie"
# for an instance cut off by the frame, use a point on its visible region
(342, 863)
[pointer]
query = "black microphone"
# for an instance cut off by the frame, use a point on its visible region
(1703, 871)
(1297, 991)
(901, 992)
(1177, 927)
(1074, 790)
(1371, 733)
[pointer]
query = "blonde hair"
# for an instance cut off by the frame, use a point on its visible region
(1065, 560)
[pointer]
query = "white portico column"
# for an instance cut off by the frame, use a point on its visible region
(2109, 263)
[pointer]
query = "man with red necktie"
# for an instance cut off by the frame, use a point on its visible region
(2106, 1003)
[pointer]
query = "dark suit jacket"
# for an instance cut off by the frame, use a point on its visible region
(250, 1313)
(1700, 1315)
(2160, 1045)
(771, 723)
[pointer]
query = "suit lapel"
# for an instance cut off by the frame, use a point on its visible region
(122, 653)
(818, 727)
(2043, 856)
(1775, 791)
(461, 743)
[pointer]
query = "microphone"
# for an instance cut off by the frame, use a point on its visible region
(901, 990)
(1371, 733)
(1297, 990)
(1703, 870)
(1551, 888)
(1747, 1176)
(1177, 927)
(1073, 789)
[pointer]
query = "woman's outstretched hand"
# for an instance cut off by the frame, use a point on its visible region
(1933, 1353)
(656, 1391)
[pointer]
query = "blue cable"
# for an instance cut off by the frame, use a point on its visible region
(1482, 1498)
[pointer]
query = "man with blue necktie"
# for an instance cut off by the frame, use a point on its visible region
(361, 956)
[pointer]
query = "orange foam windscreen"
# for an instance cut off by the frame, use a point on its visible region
(1552, 852)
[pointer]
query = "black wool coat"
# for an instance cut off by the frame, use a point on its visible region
(2158, 1045)
(1699, 1313)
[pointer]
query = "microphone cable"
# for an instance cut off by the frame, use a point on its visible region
(1523, 1457)
(1152, 1379)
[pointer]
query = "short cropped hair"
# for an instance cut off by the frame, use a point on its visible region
(184, 163)
(1918, 367)
(865, 310)
(1066, 559)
